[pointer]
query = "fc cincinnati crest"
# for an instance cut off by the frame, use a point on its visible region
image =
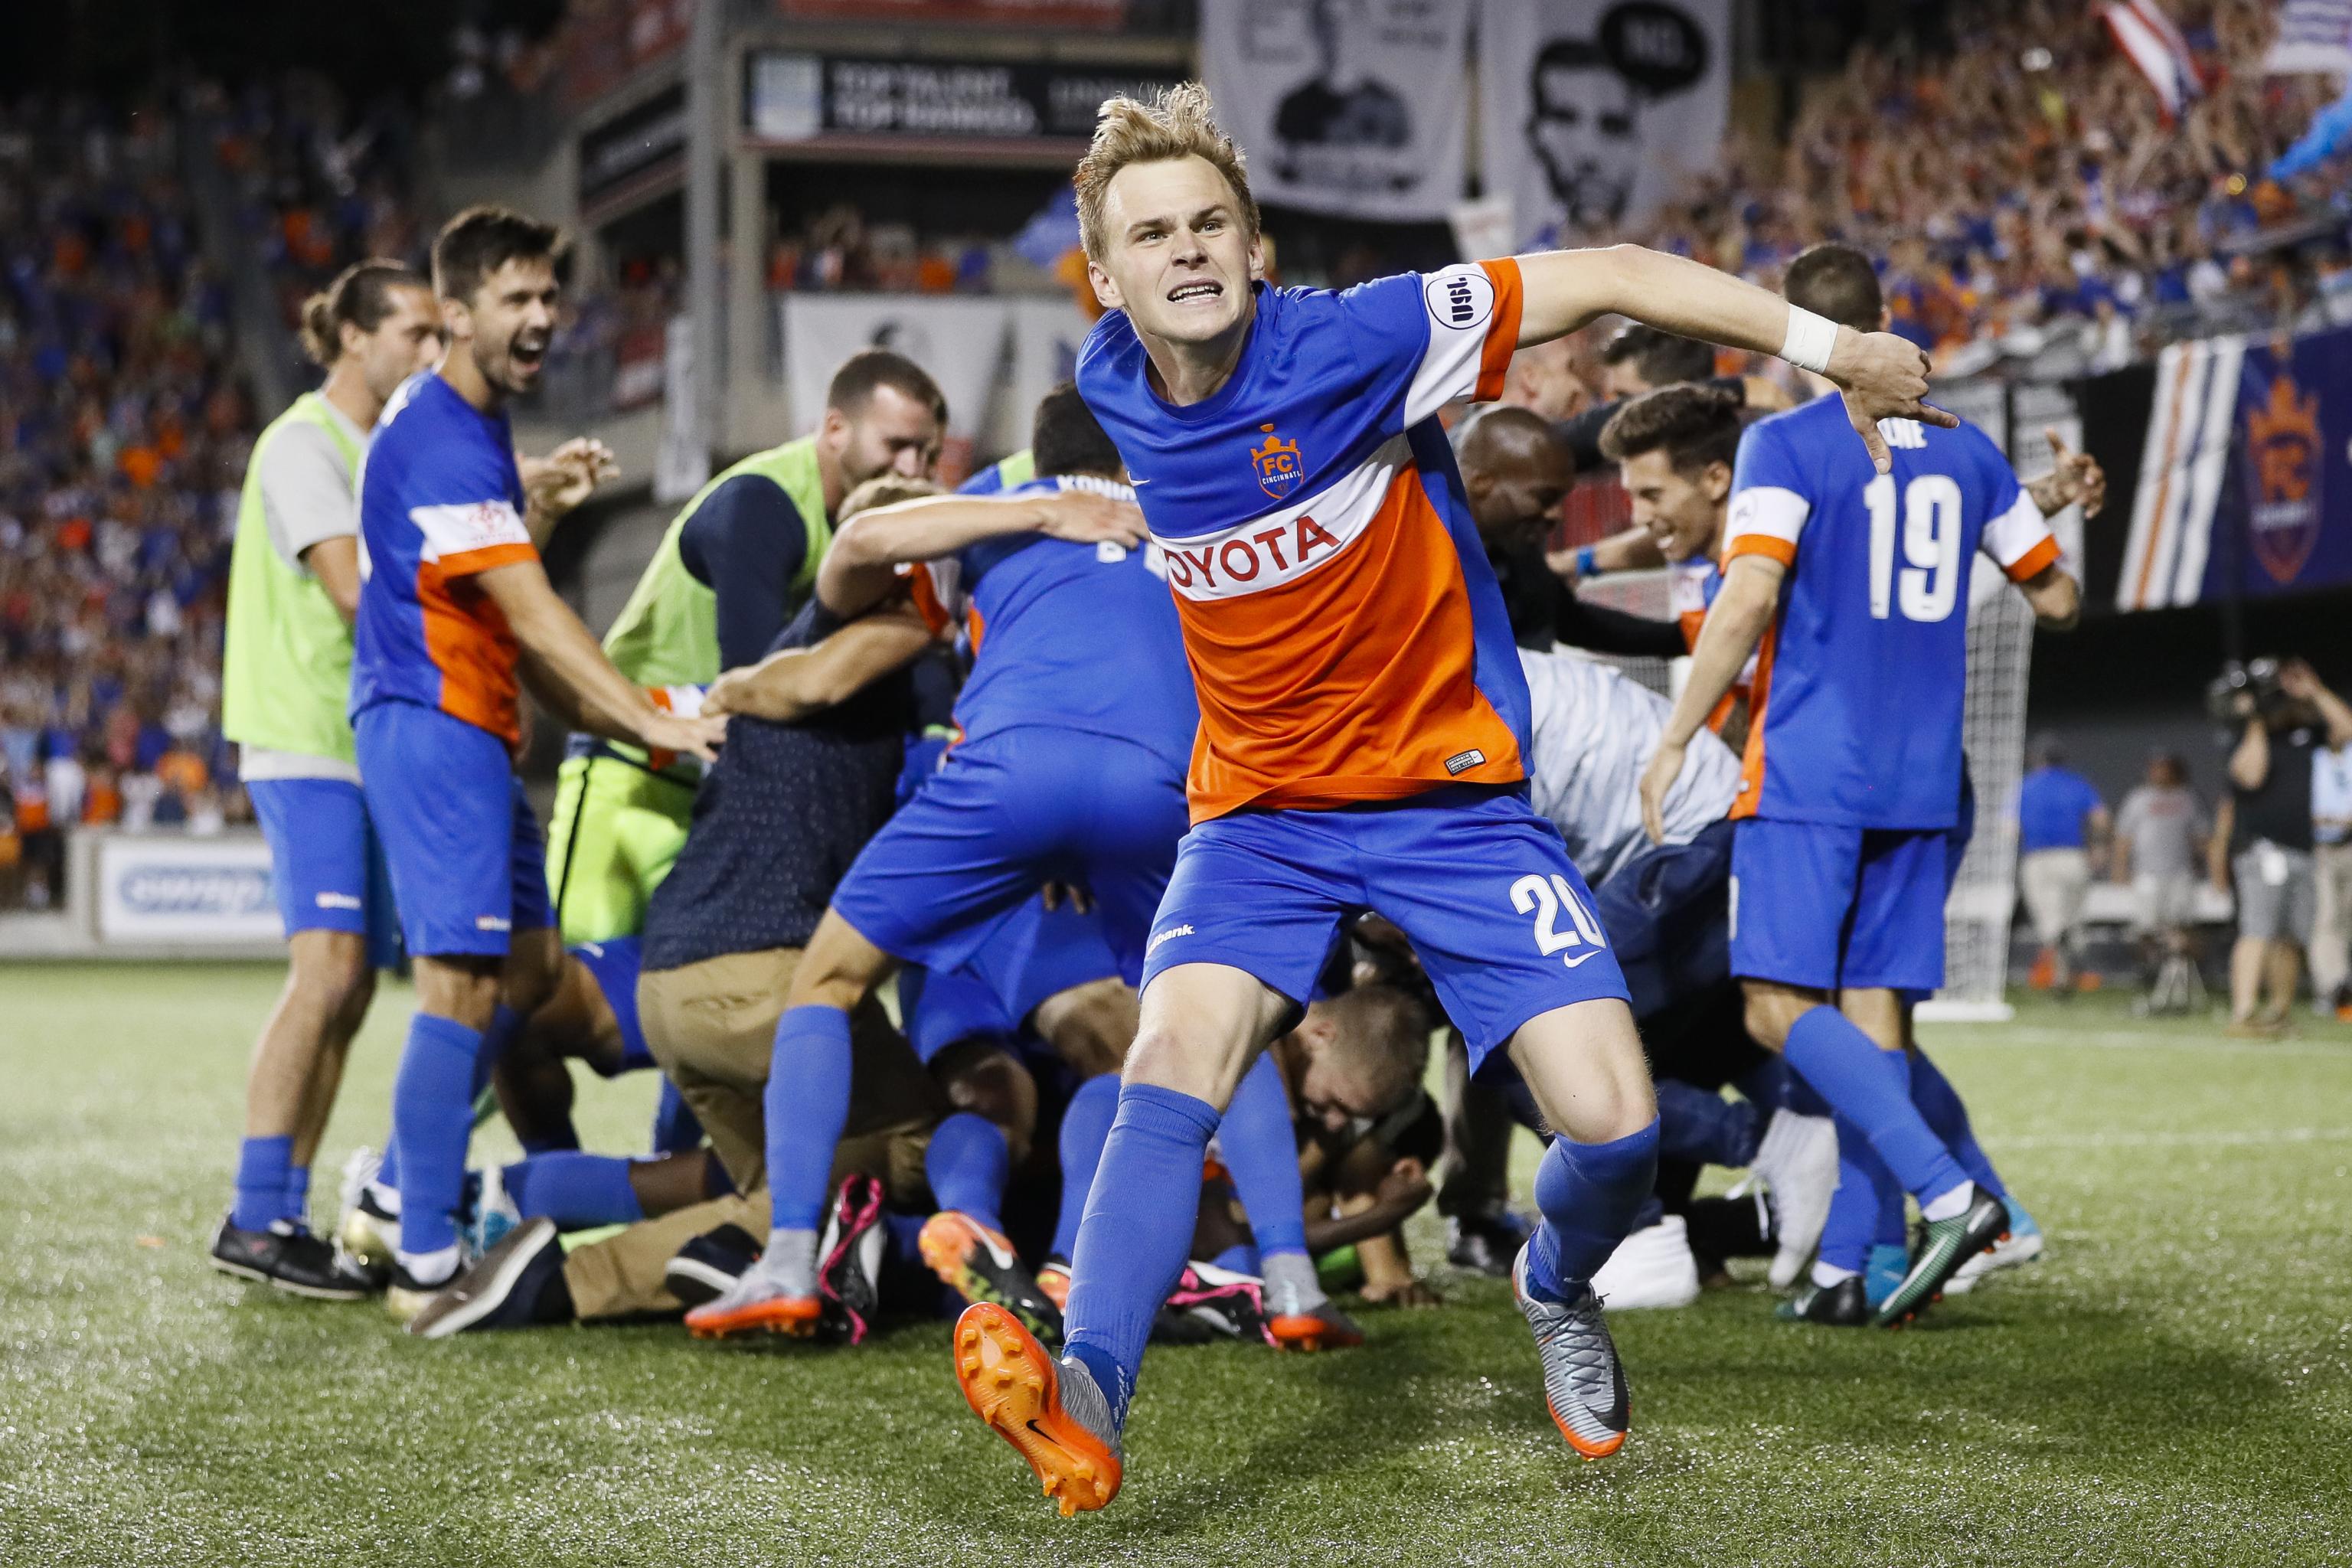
(2283, 468)
(1277, 465)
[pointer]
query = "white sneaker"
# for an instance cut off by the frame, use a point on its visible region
(1799, 1161)
(1651, 1268)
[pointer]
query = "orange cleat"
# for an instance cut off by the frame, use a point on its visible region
(1324, 1329)
(1053, 1279)
(1014, 1385)
(729, 1317)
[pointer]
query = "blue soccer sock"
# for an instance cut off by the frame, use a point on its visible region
(1257, 1143)
(1084, 1125)
(262, 1164)
(576, 1191)
(1590, 1194)
(298, 1194)
(1948, 1118)
(1241, 1258)
(807, 1106)
(1853, 1225)
(387, 1167)
(966, 1164)
(1698, 1125)
(432, 1119)
(1137, 1228)
(504, 1023)
(1871, 1089)
(676, 1129)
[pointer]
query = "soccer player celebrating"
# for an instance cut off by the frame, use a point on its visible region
(1362, 733)
(453, 603)
(1848, 582)
(736, 565)
(294, 586)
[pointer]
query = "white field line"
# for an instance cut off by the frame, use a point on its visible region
(2160, 1140)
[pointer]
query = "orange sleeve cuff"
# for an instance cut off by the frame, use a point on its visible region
(927, 599)
(2031, 563)
(466, 562)
(1502, 332)
(1764, 544)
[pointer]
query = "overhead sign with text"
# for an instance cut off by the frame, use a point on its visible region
(792, 97)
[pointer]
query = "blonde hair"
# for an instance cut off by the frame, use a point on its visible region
(1180, 123)
(888, 490)
(1384, 1037)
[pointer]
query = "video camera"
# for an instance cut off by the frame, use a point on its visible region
(2243, 691)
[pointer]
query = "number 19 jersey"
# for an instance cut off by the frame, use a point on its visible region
(1860, 678)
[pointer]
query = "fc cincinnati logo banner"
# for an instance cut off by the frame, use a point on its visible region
(2243, 487)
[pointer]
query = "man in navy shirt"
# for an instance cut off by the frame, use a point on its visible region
(2061, 823)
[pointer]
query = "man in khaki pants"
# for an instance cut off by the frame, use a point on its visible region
(816, 738)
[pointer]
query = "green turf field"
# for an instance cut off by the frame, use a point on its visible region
(2174, 1385)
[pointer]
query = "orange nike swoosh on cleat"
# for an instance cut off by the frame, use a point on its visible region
(1011, 1383)
(1306, 1331)
(793, 1315)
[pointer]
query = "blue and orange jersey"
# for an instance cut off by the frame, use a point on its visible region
(439, 501)
(1079, 636)
(1347, 638)
(1855, 717)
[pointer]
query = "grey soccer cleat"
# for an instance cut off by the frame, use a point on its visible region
(1584, 1384)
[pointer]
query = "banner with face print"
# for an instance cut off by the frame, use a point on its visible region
(1593, 111)
(1352, 108)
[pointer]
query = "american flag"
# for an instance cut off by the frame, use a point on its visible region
(2152, 41)
(2312, 36)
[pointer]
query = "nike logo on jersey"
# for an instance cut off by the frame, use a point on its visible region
(1580, 958)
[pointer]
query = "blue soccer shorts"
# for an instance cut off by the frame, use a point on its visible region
(1030, 954)
(468, 866)
(1827, 906)
(614, 964)
(325, 862)
(1004, 815)
(1479, 884)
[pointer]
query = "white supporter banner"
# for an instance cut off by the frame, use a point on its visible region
(1352, 108)
(1593, 112)
(209, 891)
(961, 341)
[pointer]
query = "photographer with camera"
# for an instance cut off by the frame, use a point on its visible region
(2287, 717)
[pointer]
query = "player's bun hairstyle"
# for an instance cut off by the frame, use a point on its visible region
(1385, 1034)
(1695, 426)
(1180, 122)
(1066, 438)
(1837, 281)
(1662, 358)
(480, 240)
(887, 491)
(361, 295)
(867, 370)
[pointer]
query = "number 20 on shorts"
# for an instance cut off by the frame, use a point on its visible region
(1546, 897)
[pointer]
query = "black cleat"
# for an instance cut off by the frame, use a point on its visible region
(505, 1289)
(1486, 1243)
(849, 1261)
(977, 1261)
(708, 1263)
(1217, 1303)
(1844, 1305)
(1944, 1246)
(289, 1258)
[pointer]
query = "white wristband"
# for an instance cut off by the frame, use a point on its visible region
(1809, 341)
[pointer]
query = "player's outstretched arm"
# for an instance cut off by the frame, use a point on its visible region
(1881, 376)
(2076, 478)
(2056, 597)
(861, 567)
(571, 671)
(1735, 625)
(793, 683)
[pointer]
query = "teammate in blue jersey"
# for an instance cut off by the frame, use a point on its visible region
(452, 594)
(1851, 587)
(1077, 723)
(1363, 732)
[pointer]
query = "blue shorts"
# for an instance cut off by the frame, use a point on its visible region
(1004, 815)
(1479, 884)
(614, 964)
(325, 862)
(1667, 913)
(1827, 906)
(1030, 954)
(467, 863)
